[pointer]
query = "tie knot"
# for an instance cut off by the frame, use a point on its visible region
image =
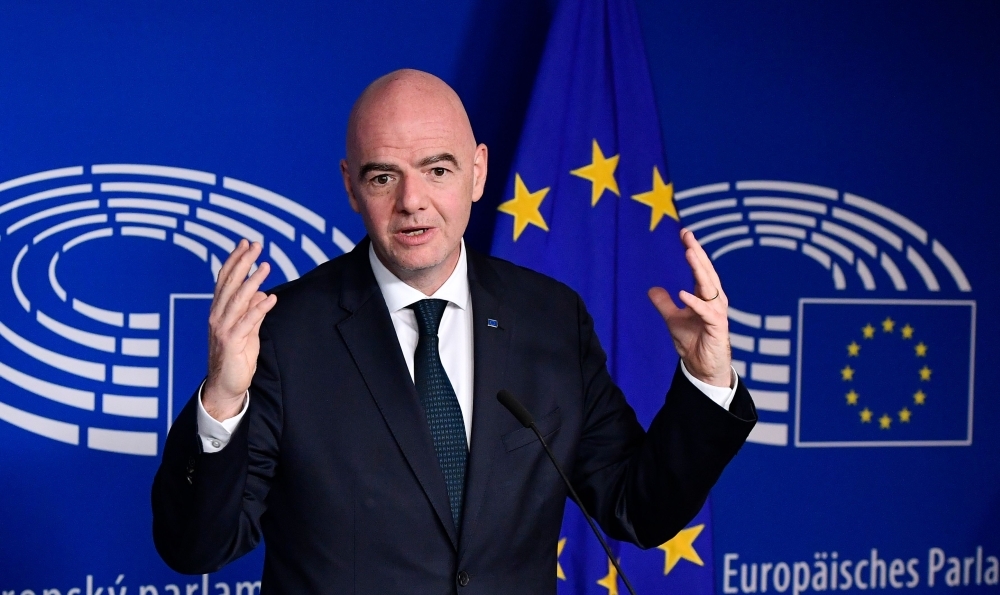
(429, 313)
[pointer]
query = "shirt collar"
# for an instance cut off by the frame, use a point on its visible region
(399, 295)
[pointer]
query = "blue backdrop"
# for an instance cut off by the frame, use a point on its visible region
(836, 159)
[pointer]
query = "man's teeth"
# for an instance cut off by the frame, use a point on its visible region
(415, 232)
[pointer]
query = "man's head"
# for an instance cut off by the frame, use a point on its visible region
(413, 170)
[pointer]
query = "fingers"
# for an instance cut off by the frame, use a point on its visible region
(235, 270)
(662, 301)
(260, 304)
(239, 301)
(701, 265)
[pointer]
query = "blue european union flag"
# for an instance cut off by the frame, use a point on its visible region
(885, 372)
(591, 204)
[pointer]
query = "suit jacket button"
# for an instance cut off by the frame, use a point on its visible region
(463, 578)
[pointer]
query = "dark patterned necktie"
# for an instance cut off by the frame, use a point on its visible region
(444, 415)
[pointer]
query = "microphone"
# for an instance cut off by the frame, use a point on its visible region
(522, 415)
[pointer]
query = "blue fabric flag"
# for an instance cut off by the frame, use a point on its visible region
(591, 204)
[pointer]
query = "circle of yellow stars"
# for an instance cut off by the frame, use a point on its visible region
(526, 205)
(679, 547)
(852, 397)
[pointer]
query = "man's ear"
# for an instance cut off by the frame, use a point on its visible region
(479, 163)
(345, 173)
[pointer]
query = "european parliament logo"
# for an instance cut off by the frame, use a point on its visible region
(111, 269)
(852, 340)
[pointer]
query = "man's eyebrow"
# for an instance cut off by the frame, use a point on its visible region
(437, 159)
(375, 166)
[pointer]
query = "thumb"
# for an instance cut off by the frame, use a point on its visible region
(663, 302)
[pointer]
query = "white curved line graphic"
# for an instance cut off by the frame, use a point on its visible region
(196, 248)
(803, 220)
(866, 245)
(898, 281)
(78, 222)
(796, 187)
(56, 287)
(770, 400)
(785, 203)
(150, 204)
(771, 373)
(141, 347)
(732, 246)
(276, 200)
(951, 264)
(158, 220)
(43, 426)
(241, 230)
(712, 221)
(839, 282)
(866, 275)
(145, 407)
(314, 251)
(726, 203)
(925, 271)
(769, 433)
(78, 367)
(67, 208)
(144, 232)
(148, 188)
(888, 214)
(16, 284)
(741, 342)
(122, 441)
(52, 174)
(80, 399)
(103, 343)
(252, 212)
(106, 232)
(45, 195)
(160, 171)
(818, 255)
(211, 235)
(138, 376)
(833, 246)
(786, 243)
(699, 190)
(341, 241)
(781, 230)
(778, 323)
(99, 314)
(146, 322)
(284, 263)
(778, 347)
(725, 233)
(745, 318)
(870, 226)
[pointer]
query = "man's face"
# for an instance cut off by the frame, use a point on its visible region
(413, 172)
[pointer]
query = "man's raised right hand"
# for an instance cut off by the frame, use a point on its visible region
(238, 309)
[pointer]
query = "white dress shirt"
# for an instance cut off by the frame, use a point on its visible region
(455, 346)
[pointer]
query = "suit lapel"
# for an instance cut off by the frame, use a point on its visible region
(371, 339)
(490, 345)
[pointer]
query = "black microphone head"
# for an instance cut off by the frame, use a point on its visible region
(515, 407)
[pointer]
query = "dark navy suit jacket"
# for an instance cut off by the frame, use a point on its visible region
(333, 464)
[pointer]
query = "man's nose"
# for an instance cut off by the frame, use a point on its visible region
(412, 195)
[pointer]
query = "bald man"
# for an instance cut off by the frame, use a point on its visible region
(350, 417)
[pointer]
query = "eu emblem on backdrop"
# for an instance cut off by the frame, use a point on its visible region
(590, 202)
(885, 372)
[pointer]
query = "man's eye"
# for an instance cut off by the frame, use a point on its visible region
(439, 171)
(381, 180)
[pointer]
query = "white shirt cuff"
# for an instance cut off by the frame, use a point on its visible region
(215, 434)
(721, 395)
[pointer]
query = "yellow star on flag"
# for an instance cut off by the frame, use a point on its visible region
(852, 398)
(868, 331)
(524, 207)
(888, 324)
(853, 349)
(921, 349)
(559, 548)
(847, 373)
(610, 581)
(925, 373)
(866, 415)
(660, 199)
(907, 332)
(885, 422)
(600, 172)
(919, 397)
(681, 547)
(904, 415)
